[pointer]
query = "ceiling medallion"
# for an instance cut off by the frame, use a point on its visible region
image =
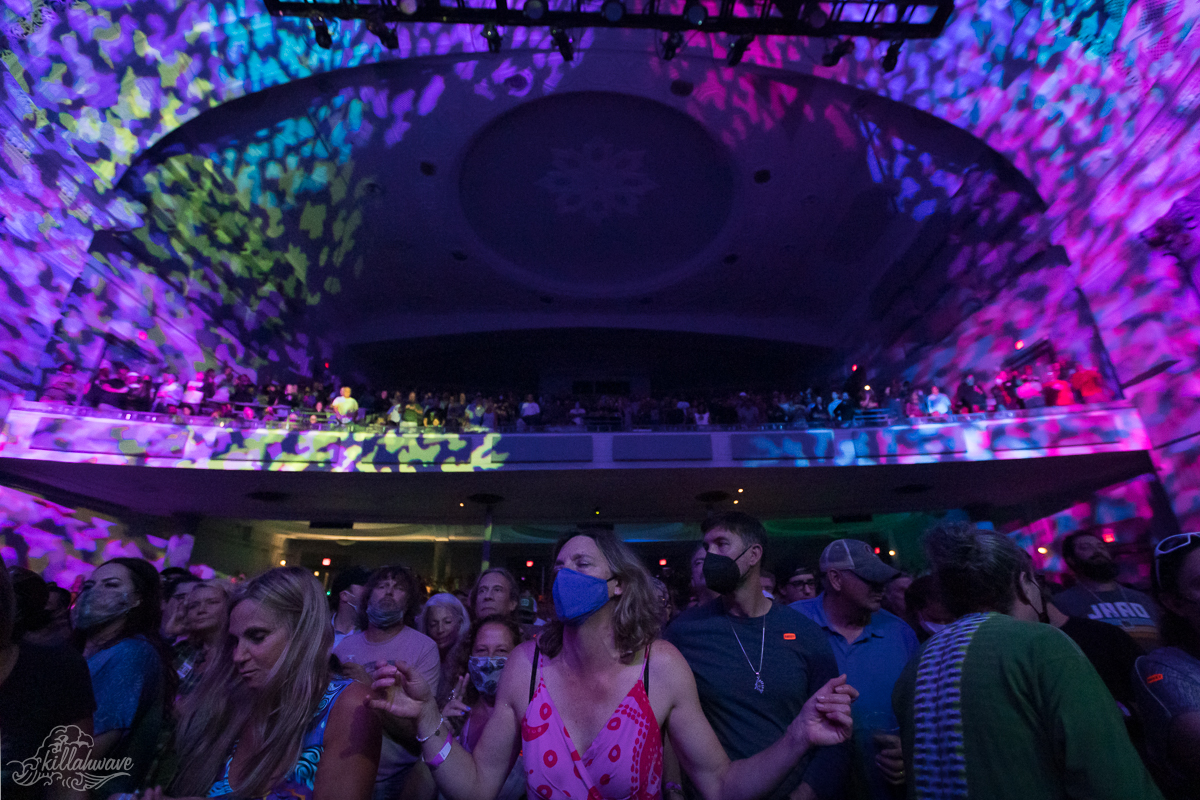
(597, 180)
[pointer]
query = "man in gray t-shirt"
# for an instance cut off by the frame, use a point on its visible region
(1097, 595)
(388, 602)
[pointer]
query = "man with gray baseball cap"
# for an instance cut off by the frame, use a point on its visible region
(871, 646)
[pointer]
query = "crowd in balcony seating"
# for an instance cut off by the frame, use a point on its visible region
(227, 394)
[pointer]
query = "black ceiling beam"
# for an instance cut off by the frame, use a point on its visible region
(834, 26)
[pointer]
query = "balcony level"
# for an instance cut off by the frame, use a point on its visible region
(149, 464)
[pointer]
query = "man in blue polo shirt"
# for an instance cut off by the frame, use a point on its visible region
(871, 646)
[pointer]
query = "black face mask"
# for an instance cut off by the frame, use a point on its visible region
(721, 573)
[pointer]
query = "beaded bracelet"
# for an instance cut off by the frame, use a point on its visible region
(441, 722)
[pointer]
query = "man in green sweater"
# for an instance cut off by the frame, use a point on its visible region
(994, 708)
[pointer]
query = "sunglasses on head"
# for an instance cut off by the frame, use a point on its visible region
(1168, 545)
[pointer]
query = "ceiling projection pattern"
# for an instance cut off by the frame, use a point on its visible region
(1122, 512)
(65, 544)
(40, 431)
(881, 19)
(1103, 122)
(1107, 128)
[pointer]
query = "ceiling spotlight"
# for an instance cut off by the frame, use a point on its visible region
(612, 10)
(695, 13)
(536, 9)
(563, 42)
(888, 63)
(832, 58)
(738, 49)
(671, 45)
(321, 33)
(387, 36)
(493, 38)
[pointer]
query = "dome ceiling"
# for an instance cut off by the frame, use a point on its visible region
(451, 195)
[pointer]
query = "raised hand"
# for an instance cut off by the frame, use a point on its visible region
(456, 707)
(825, 718)
(400, 691)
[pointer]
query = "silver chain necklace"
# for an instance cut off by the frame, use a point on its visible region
(1124, 623)
(758, 681)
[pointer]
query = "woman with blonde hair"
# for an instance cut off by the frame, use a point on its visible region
(269, 719)
(588, 703)
(206, 623)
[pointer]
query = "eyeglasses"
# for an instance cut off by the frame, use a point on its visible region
(802, 582)
(1170, 544)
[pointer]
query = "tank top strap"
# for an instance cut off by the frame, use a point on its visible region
(332, 692)
(537, 657)
(646, 672)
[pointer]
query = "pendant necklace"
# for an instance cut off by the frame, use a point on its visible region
(758, 681)
(1122, 622)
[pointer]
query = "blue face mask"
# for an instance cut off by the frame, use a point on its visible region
(577, 596)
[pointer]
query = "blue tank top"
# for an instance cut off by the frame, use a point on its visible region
(298, 783)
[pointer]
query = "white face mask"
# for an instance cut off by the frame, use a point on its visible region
(930, 627)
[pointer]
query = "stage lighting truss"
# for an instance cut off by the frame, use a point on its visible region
(878, 19)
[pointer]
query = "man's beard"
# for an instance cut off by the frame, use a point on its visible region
(1099, 570)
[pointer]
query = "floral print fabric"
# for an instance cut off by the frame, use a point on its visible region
(623, 762)
(298, 783)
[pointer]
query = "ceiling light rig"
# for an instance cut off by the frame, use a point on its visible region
(612, 11)
(738, 49)
(562, 41)
(321, 33)
(831, 58)
(891, 57)
(895, 21)
(494, 40)
(671, 45)
(695, 13)
(384, 32)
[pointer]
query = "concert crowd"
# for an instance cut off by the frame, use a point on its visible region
(841, 679)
